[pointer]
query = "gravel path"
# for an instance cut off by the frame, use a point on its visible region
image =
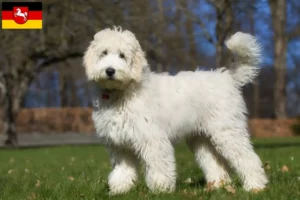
(40, 140)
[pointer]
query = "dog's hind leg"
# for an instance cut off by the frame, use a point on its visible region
(234, 145)
(124, 173)
(212, 164)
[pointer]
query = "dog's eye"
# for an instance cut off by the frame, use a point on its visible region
(104, 52)
(122, 55)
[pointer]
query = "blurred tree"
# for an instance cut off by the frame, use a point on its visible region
(278, 12)
(224, 24)
(293, 76)
(256, 90)
(13, 78)
(27, 53)
(191, 57)
(281, 38)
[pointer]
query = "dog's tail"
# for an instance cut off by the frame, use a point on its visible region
(246, 52)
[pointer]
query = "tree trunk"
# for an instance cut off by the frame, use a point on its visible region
(179, 41)
(161, 25)
(224, 22)
(256, 96)
(278, 11)
(63, 86)
(192, 58)
(74, 89)
(9, 121)
(256, 99)
(17, 81)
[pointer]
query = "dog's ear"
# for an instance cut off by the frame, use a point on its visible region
(139, 62)
(89, 59)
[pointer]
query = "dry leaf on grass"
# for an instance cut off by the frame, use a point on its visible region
(210, 186)
(10, 171)
(142, 193)
(255, 191)
(222, 183)
(38, 183)
(188, 180)
(71, 178)
(284, 168)
(32, 196)
(189, 193)
(230, 189)
(267, 166)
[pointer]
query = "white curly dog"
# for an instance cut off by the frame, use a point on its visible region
(140, 114)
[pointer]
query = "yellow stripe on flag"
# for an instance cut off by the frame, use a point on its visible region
(30, 24)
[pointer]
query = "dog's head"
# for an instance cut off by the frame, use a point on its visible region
(114, 59)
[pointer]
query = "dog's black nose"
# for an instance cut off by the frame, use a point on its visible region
(110, 71)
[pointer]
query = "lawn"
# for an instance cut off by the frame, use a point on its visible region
(81, 172)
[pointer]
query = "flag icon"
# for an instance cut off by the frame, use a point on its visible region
(22, 15)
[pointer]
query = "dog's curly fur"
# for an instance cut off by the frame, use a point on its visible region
(140, 114)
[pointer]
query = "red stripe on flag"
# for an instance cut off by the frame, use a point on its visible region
(7, 15)
(32, 15)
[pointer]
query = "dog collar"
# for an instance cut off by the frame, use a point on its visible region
(106, 94)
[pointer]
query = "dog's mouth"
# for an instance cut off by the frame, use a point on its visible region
(106, 78)
(111, 83)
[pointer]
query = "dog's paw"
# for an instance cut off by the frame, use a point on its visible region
(119, 189)
(162, 187)
(256, 184)
(159, 183)
(121, 181)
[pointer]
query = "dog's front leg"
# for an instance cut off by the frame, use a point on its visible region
(124, 173)
(158, 155)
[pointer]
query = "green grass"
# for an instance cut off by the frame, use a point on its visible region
(81, 172)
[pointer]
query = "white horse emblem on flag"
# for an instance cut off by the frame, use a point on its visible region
(21, 14)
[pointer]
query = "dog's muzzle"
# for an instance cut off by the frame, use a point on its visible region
(110, 72)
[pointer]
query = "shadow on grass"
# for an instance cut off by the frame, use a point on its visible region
(197, 183)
